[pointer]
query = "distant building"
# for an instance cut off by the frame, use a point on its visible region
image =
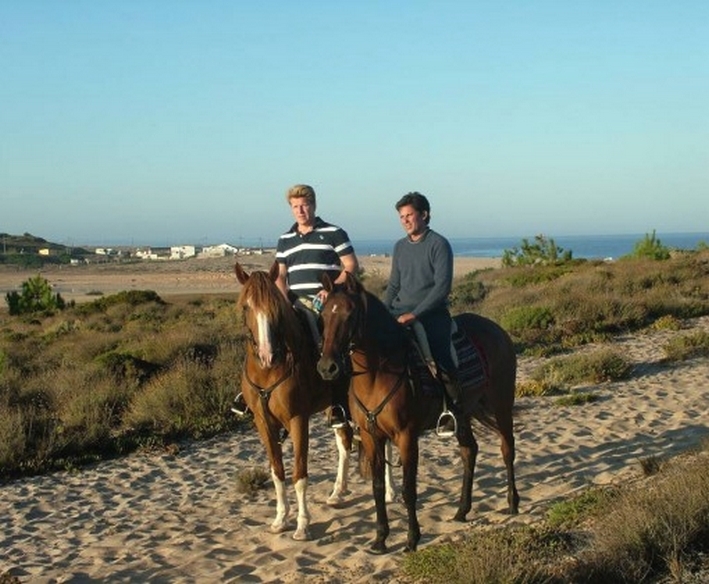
(214, 251)
(180, 252)
(107, 251)
(152, 254)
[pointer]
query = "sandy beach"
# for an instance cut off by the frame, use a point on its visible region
(178, 516)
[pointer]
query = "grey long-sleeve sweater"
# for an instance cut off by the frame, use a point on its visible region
(421, 275)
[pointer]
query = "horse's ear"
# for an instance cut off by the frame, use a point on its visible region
(241, 275)
(273, 272)
(327, 283)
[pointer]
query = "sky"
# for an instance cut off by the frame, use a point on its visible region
(171, 122)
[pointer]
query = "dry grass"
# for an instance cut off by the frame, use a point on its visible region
(655, 530)
(105, 377)
(550, 309)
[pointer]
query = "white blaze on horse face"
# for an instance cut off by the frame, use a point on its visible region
(265, 348)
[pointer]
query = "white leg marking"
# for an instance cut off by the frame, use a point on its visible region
(280, 523)
(390, 495)
(343, 465)
(302, 531)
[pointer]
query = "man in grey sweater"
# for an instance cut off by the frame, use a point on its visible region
(420, 283)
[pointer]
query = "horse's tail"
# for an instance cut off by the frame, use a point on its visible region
(365, 465)
(483, 414)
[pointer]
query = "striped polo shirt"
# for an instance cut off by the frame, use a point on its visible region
(307, 256)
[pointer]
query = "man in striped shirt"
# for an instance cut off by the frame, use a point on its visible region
(309, 248)
(304, 252)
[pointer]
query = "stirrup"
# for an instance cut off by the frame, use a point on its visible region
(443, 426)
(282, 435)
(239, 406)
(337, 421)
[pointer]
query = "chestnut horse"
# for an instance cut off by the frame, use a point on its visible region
(281, 387)
(385, 405)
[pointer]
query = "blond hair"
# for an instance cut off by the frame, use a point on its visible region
(301, 191)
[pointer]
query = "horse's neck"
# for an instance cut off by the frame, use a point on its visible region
(383, 330)
(298, 340)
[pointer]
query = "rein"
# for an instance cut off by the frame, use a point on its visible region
(264, 393)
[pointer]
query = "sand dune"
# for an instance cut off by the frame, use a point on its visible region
(179, 518)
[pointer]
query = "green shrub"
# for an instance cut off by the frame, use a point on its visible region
(667, 322)
(537, 388)
(576, 398)
(129, 297)
(573, 511)
(251, 480)
(506, 554)
(36, 296)
(467, 293)
(521, 318)
(650, 248)
(542, 251)
(686, 347)
(597, 367)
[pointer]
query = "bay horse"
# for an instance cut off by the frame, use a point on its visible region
(385, 404)
(282, 388)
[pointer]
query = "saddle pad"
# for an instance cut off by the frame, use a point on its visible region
(471, 368)
(471, 364)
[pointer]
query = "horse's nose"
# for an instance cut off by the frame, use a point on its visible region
(328, 369)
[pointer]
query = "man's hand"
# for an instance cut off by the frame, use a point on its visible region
(406, 318)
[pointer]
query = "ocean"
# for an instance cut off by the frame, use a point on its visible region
(581, 246)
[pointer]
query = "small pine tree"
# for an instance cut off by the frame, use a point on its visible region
(36, 296)
(543, 251)
(650, 248)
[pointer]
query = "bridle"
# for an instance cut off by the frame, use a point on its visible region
(280, 354)
(355, 334)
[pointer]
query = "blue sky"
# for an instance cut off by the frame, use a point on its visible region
(171, 122)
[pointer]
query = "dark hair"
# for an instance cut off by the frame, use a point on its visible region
(418, 202)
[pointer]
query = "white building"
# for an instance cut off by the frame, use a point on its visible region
(220, 250)
(180, 252)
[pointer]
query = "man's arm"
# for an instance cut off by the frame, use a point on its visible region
(349, 264)
(282, 281)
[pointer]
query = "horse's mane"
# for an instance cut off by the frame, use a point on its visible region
(381, 325)
(261, 293)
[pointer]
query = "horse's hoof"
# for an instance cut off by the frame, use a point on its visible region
(334, 500)
(302, 535)
(279, 527)
(460, 516)
(378, 548)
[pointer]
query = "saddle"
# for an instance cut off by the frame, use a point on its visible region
(423, 370)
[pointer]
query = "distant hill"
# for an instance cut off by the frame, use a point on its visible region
(28, 243)
(24, 250)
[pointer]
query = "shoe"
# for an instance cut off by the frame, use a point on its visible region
(239, 406)
(447, 425)
(337, 417)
